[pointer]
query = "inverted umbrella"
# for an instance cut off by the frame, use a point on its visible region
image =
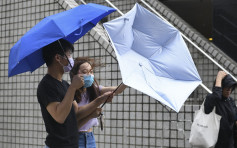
(153, 57)
(26, 54)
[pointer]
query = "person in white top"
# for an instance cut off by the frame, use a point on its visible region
(86, 95)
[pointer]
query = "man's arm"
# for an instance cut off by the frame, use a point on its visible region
(60, 110)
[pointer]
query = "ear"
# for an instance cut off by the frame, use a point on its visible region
(57, 57)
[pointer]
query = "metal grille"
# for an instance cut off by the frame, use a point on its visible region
(132, 120)
(21, 123)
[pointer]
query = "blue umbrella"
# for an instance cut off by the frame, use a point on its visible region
(26, 54)
(153, 57)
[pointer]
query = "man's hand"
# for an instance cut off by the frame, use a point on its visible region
(77, 81)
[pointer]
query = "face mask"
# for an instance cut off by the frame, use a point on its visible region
(68, 67)
(88, 80)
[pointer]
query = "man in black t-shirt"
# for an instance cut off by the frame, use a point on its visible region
(55, 96)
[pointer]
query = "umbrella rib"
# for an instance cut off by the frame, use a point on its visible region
(168, 77)
(149, 37)
(156, 52)
(170, 38)
(58, 27)
(167, 101)
(175, 31)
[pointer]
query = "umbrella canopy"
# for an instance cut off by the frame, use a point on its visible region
(26, 54)
(153, 57)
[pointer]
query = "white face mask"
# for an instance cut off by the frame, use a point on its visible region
(68, 67)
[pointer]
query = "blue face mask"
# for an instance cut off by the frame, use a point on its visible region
(88, 80)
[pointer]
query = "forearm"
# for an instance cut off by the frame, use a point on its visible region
(63, 108)
(83, 121)
(218, 82)
(86, 110)
(60, 110)
(113, 88)
(107, 89)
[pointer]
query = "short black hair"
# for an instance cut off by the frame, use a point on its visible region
(54, 48)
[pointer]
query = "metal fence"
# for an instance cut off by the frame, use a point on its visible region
(132, 120)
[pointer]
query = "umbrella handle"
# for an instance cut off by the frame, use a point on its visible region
(108, 97)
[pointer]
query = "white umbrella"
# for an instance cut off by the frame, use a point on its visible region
(153, 57)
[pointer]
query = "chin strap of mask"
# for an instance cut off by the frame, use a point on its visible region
(64, 53)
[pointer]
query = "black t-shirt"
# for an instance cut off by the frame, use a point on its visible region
(59, 135)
